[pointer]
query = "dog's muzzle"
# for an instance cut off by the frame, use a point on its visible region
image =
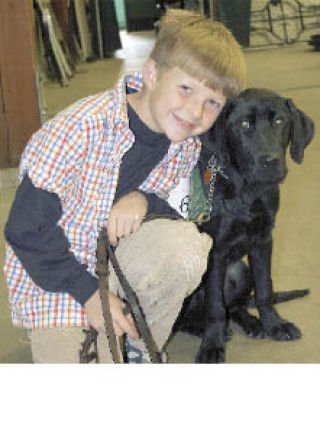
(270, 168)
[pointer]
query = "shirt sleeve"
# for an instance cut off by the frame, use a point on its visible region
(41, 245)
(52, 153)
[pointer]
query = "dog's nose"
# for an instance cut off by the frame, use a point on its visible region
(268, 161)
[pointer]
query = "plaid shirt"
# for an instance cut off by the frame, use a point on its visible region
(77, 155)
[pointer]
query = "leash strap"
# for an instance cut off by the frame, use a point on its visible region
(102, 270)
(132, 301)
(104, 254)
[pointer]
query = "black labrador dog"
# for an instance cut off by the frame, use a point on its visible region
(248, 143)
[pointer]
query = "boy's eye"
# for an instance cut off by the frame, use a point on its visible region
(214, 103)
(186, 89)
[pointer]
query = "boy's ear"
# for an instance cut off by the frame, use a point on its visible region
(150, 73)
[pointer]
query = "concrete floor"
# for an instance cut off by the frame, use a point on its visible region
(292, 71)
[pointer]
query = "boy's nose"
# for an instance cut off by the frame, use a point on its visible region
(195, 109)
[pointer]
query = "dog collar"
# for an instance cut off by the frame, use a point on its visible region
(210, 178)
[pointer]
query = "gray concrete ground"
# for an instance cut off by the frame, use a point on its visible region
(293, 72)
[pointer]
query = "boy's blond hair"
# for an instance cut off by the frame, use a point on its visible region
(203, 48)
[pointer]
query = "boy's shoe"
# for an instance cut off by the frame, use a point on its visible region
(135, 352)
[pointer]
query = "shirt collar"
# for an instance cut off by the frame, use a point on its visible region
(133, 81)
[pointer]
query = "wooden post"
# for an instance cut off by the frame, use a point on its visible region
(19, 108)
(213, 9)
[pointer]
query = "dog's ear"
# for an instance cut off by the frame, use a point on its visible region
(301, 132)
(220, 125)
(212, 139)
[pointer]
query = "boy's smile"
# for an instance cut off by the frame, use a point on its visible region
(175, 103)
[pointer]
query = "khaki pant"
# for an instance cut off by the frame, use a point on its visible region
(62, 346)
(163, 262)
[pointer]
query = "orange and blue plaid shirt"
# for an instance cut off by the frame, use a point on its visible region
(77, 155)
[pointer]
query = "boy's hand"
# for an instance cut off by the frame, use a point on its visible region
(121, 323)
(126, 216)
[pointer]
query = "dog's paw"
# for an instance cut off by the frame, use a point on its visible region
(276, 327)
(212, 348)
(253, 327)
(283, 331)
(250, 325)
(210, 356)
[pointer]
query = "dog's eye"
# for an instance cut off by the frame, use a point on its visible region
(278, 121)
(245, 124)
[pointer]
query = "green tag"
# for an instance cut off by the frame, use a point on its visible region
(197, 199)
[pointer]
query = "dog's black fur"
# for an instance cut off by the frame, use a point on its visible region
(250, 140)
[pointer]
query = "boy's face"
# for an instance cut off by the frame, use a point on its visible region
(180, 105)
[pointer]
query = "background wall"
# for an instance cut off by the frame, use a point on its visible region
(259, 13)
(121, 14)
(291, 29)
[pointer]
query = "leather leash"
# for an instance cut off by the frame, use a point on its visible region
(104, 254)
(102, 270)
(133, 303)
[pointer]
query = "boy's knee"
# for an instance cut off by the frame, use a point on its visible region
(166, 237)
(186, 249)
(166, 248)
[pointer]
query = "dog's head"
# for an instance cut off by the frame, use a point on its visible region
(256, 128)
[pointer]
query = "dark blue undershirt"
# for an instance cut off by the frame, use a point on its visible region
(41, 245)
(147, 151)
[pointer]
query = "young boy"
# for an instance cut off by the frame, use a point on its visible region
(108, 161)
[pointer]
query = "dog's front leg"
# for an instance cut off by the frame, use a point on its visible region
(212, 348)
(260, 266)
